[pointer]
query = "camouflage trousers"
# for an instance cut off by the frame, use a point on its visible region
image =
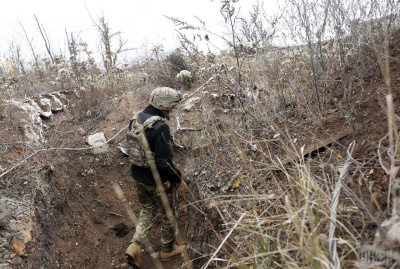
(152, 204)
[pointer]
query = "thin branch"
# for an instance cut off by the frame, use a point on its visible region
(45, 39)
(30, 44)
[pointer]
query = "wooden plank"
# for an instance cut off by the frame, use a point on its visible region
(315, 147)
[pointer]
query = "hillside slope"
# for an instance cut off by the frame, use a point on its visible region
(61, 203)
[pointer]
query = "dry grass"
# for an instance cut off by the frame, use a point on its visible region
(280, 218)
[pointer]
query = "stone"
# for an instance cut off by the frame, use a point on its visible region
(190, 103)
(5, 216)
(97, 141)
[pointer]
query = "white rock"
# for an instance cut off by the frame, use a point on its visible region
(190, 103)
(97, 141)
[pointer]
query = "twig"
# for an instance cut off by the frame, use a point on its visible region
(115, 214)
(191, 129)
(201, 87)
(223, 241)
(100, 201)
(179, 128)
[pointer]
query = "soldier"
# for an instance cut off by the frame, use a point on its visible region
(158, 139)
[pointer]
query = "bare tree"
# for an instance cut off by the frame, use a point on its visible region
(46, 39)
(259, 29)
(17, 59)
(73, 51)
(109, 54)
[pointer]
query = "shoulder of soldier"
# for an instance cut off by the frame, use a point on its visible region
(144, 116)
(161, 126)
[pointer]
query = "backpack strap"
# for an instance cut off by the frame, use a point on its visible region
(151, 121)
(147, 123)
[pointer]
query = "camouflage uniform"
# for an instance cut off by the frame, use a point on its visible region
(151, 204)
(159, 140)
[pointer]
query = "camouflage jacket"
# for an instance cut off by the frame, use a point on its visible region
(159, 139)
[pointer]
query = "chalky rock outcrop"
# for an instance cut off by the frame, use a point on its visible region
(34, 109)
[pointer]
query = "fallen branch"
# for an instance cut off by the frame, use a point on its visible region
(102, 202)
(115, 214)
(190, 129)
(179, 128)
(201, 87)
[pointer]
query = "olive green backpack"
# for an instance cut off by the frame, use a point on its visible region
(138, 150)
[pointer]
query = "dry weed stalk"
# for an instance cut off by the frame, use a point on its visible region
(387, 237)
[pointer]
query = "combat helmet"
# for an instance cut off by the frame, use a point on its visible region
(164, 98)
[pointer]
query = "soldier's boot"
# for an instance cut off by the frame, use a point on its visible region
(134, 255)
(176, 251)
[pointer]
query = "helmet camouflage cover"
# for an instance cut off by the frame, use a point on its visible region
(164, 98)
